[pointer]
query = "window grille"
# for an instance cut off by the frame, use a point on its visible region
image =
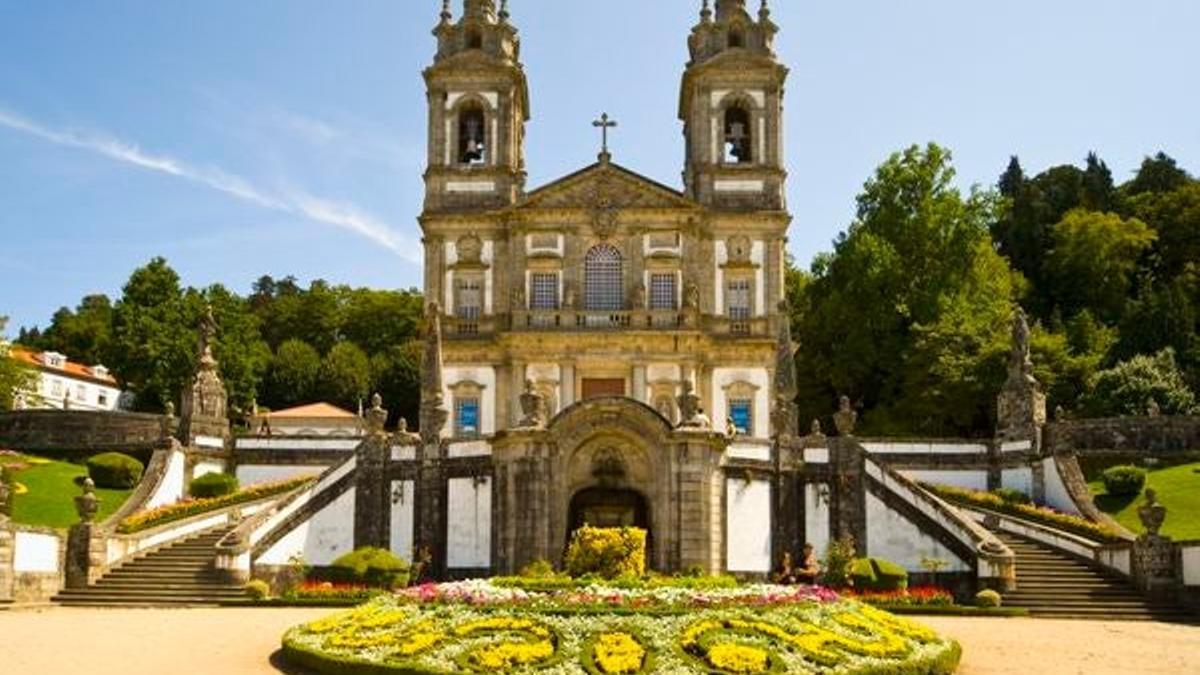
(741, 411)
(604, 287)
(544, 291)
(466, 417)
(662, 291)
(468, 304)
(737, 300)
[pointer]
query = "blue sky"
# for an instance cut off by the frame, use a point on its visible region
(287, 136)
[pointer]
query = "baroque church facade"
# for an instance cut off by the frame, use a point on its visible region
(609, 343)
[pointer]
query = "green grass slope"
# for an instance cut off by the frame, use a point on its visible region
(48, 490)
(1178, 489)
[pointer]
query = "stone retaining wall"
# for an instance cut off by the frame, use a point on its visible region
(76, 434)
(1125, 435)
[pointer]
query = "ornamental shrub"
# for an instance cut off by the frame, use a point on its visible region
(213, 485)
(1124, 481)
(114, 471)
(838, 559)
(374, 567)
(538, 569)
(988, 598)
(1012, 495)
(877, 574)
(258, 589)
(608, 553)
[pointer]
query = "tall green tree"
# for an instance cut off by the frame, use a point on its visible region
(83, 335)
(1159, 173)
(1128, 387)
(153, 349)
(346, 375)
(294, 376)
(1094, 260)
(14, 376)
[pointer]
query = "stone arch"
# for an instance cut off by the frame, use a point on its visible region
(473, 143)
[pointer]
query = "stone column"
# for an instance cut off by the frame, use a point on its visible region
(6, 560)
(522, 506)
(848, 493)
(372, 493)
(698, 501)
(568, 384)
(639, 382)
(788, 519)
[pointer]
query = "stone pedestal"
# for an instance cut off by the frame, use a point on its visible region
(1154, 565)
(699, 499)
(849, 492)
(6, 561)
(372, 496)
(85, 555)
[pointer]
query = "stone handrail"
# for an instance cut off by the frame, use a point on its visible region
(153, 482)
(995, 562)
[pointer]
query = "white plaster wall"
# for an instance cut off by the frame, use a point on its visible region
(485, 376)
(170, 490)
(210, 442)
(319, 540)
(1018, 479)
(971, 479)
(403, 500)
(1057, 496)
(816, 455)
(35, 552)
(469, 449)
(1191, 565)
(754, 451)
(298, 443)
(404, 453)
(205, 468)
(889, 447)
(1016, 446)
(895, 538)
(469, 523)
(816, 518)
(759, 378)
(486, 256)
(747, 525)
(250, 474)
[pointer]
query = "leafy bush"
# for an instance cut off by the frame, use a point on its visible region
(538, 569)
(373, 567)
(1124, 481)
(608, 553)
(877, 574)
(213, 485)
(258, 589)
(838, 559)
(114, 471)
(1128, 387)
(1012, 495)
(988, 598)
(191, 507)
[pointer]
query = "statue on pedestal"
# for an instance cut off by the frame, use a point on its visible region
(845, 419)
(1152, 514)
(533, 407)
(87, 504)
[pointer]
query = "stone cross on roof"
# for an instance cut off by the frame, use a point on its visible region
(604, 124)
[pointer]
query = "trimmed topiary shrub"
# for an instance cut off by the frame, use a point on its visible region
(374, 567)
(538, 569)
(1124, 481)
(988, 598)
(1012, 496)
(213, 485)
(258, 590)
(607, 553)
(114, 471)
(877, 574)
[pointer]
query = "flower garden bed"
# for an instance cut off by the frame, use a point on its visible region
(480, 627)
(187, 508)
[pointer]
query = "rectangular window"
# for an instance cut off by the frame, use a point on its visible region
(80, 393)
(466, 417)
(468, 301)
(741, 411)
(543, 291)
(102, 399)
(662, 291)
(737, 302)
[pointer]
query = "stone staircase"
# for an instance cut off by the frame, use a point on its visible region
(1055, 585)
(178, 575)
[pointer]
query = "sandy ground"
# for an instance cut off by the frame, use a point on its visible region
(237, 641)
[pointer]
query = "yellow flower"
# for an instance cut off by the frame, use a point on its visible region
(20, 489)
(415, 643)
(737, 658)
(511, 654)
(618, 653)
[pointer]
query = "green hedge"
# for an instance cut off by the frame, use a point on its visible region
(373, 567)
(1124, 481)
(114, 471)
(877, 574)
(213, 485)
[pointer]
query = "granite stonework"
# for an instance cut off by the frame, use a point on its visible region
(77, 434)
(1148, 436)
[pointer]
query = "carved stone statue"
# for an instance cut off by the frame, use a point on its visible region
(845, 418)
(87, 504)
(533, 407)
(376, 417)
(469, 249)
(1152, 514)
(517, 298)
(814, 431)
(569, 296)
(691, 295)
(403, 435)
(1021, 405)
(204, 409)
(1153, 409)
(608, 466)
(690, 413)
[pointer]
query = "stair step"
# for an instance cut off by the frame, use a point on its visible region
(139, 585)
(155, 591)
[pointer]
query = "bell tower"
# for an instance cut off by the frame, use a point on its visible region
(478, 105)
(731, 104)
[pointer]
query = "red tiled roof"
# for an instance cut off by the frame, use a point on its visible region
(313, 410)
(69, 368)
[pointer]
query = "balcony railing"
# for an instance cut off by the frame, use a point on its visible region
(454, 327)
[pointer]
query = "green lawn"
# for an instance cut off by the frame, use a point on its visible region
(1178, 489)
(50, 490)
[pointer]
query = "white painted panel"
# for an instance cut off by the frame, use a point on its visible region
(205, 468)
(1057, 496)
(760, 379)
(170, 490)
(298, 443)
(319, 540)
(752, 451)
(249, 474)
(816, 517)
(404, 453)
(478, 186)
(1016, 446)
(748, 525)
(747, 186)
(816, 455)
(404, 499)
(883, 448)
(469, 449)
(35, 552)
(895, 538)
(1018, 479)
(1191, 565)
(211, 442)
(969, 479)
(469, 526)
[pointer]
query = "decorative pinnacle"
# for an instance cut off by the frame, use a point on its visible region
(504, 11)
(764, 12)
(446, 15)
(705, 12)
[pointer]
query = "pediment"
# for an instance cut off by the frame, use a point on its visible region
(606, 186)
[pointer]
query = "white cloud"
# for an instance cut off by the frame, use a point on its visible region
(346, 216)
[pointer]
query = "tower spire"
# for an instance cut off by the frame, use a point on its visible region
(446, 15)
(764, 12)
(479, 9)
(705, 12)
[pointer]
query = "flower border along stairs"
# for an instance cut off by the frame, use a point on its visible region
(179, 574)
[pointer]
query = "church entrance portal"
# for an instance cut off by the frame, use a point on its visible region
(610, 507)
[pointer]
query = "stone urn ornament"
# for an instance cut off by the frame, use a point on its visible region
(845, 418)
(689, 406)
(1152, 514)
(533, 405)
(87, 504)
(376, 416)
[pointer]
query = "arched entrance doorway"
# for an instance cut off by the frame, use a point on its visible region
(611, 507)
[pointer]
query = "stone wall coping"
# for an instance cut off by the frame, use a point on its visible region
(81, 413)
(183, 523)
(152, 478)
(1062, 534)
(35, 529)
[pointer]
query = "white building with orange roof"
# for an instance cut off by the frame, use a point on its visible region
(64, 384)
(313, 419)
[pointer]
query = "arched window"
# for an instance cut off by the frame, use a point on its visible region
(736, 38)
(472, 135)
(737, 135)
(604, 288)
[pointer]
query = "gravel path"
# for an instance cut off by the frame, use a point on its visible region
(243, 641)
